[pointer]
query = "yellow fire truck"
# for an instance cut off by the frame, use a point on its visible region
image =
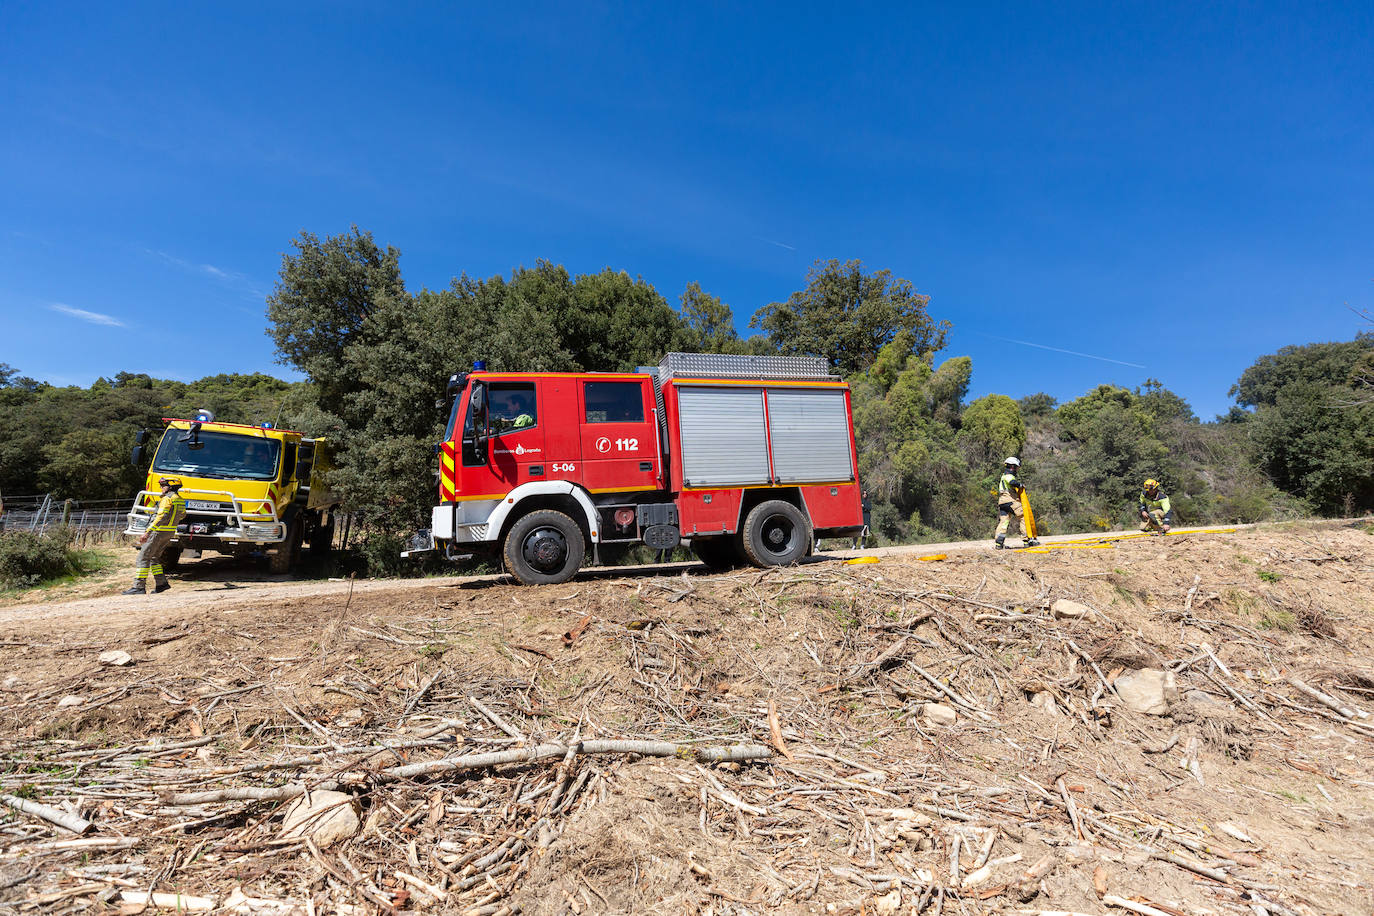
(247, 489)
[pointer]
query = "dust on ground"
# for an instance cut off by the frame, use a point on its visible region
(1031, 787)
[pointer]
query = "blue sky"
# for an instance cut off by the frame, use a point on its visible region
(1178, 189)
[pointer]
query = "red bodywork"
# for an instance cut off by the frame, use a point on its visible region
(625, 461)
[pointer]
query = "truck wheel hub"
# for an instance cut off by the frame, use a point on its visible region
(545, 549)
(777, 534)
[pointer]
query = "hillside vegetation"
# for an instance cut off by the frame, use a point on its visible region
(1299, 442)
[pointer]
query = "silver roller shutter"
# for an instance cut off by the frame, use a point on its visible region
(810, 433)
(724, 442)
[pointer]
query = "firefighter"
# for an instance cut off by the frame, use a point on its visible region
(1009, 508)
(1156, 513)
(866, 507)
(171, 509)
(521, 415)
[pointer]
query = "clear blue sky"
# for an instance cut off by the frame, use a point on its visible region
(1181, 187)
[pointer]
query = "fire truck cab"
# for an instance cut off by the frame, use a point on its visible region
(748, 458)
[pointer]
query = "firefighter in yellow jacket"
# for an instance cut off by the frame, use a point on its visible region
(1009, 506)
(171, 509)
(1156, 512)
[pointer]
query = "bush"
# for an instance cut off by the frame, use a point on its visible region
(27, 559)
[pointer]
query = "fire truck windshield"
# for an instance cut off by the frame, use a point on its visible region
(224, 455)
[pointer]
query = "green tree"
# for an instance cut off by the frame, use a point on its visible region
(848, 316)
(324, 294)
(710, 323)
(1312, 430)
(379, 356)
(991, 429)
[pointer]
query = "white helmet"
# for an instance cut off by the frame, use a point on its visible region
(1014, 461)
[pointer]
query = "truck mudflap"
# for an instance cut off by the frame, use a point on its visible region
(240, 522)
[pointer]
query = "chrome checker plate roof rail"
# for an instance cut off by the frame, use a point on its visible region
(730, 365)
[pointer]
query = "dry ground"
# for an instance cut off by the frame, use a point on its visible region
(1248, 796)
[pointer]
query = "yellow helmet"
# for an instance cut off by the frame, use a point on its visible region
(173, 482)
(1152, 484)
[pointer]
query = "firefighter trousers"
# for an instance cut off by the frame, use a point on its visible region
(1009, 515)
(1156, 521)
(150, 555)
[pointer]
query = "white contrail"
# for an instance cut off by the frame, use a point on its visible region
(92, 317)
(760, 238)
(1105, 359)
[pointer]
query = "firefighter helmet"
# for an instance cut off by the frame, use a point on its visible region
(1152, 484)
(1014, 461)
(169, 482)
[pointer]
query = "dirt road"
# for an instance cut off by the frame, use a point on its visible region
(221, 584)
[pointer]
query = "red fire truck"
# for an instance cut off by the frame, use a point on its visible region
(748, 458)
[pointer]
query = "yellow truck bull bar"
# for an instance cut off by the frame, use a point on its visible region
(240, 522)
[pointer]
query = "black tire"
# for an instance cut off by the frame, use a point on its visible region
(321, 538)
(718, 552)
(283, 559)
(171, 558)
(776, 533)
(544, 548)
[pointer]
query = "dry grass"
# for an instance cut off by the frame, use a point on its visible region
(873, 807)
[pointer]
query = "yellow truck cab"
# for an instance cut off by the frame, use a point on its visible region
(247, 489)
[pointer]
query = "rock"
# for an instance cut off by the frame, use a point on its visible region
(890, 903)
(1064, 609)
(11, 682)
(1202, 698)
(117, 658)
(1148, 690)
(70, 699)
(1045, 700)
(325, 817)
(939, 714)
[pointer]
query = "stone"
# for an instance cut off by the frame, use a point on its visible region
(1202, 698)
(889, 903)
(939, 714)
(70, 699)
(325, 817)
(117, 658)
(1148, 690)
(1064, 609)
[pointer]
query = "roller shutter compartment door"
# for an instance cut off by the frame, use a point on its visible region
(810, 432)
(724, 438)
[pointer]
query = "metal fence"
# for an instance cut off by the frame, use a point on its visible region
(44, 512)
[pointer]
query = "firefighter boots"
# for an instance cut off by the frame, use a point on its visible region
(139, 588)
(161, 585)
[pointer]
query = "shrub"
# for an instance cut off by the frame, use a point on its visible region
(27, 559)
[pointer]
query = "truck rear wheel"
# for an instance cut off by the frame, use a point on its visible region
(321, 537)
(718, 552)
(544, 548)
(776, 533)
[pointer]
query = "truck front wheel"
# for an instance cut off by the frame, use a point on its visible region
(776, 533)
(544, 548)
(283, 559)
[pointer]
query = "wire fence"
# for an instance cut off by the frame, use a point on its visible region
(44, 512)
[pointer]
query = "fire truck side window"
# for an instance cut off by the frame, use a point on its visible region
(512, 407)
(614, 402)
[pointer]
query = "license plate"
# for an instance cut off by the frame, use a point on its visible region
(193, 504)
